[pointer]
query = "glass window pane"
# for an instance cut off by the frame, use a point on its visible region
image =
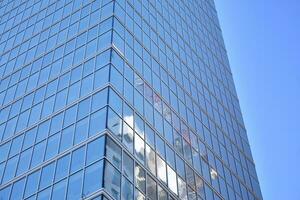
(160, 146)
(127, 166)
(83, 108)
(102, 59)
(10, 169)
(15, 147)
(196, 161)
(99, 100)
(208, 192)
(97, 122)
(101, 77)
(162, 194)
(66, 138)
(172, 183)
(151, 188)
(45, 194)
(62, 167)
(150, 160)
(113, 153)
(168, 132)
(139, 125)
(140, 178)
(29, 138)
(32, 183)
(139, 146)
(78, 157)
(59, 190)
(47, 175)
(4, 193)
(182, 189)
(81, 130)
(180, 167)
(158, 122)
(139, 195)
(187, 151)
(192, 194)
(70, 115)
(52, 146)
(115, 102)
(170, 156)
(138, 101)
(38, 154)
(76, 74)
(114, 123)
(128, 91)
(112, 180)
(128, 114)
(4, 149)
(43, 130)
(116, 80)
(150, 136)
(93, 178)
(18, 189)
(75, 186)
(127, 189)
(161, 169)
(56, 123)
(95, 150)
(128, 137)
(190, 176)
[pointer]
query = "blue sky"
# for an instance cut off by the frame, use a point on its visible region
(262, 38)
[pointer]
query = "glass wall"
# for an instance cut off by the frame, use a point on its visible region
(152, 76)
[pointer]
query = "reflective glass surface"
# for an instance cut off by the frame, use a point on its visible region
(119, 99)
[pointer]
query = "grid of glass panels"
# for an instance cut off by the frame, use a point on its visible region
(74, 175)
(170, 66)
(54, 73)
(154, 74)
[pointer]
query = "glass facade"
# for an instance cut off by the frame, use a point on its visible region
(119, 99)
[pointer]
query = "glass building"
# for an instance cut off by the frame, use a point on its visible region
(119, 99)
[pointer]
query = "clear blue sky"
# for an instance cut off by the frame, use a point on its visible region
(263, 44)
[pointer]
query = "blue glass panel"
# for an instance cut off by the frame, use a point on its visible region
(59, 190)
(78, 159)
(29, 138)
(115, 102)
(4, 149)
(38, 154)
(10, 169)
(47, 175)
(52, 146)
(81, 130)
(62, 167)
(32, 183)
(93, 178)
(4, 193)
(95, 150)
(56, 123)
(75, 186)
(43, 131)
(99, 100)
(70, 116)
(18, 189)
(84, 108)
(45, 194)
(66, 138)
(112, 180)
(24, 161)
(114, 123)
(101, 77)
(97, 122)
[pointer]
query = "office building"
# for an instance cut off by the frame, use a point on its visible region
(119, 99)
